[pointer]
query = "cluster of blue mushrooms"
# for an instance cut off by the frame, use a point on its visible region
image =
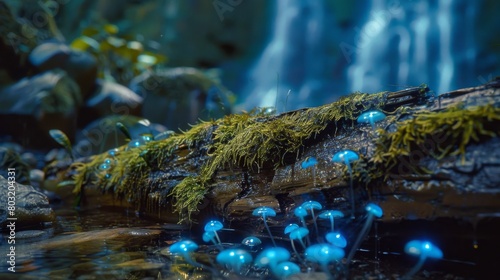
(318, 251)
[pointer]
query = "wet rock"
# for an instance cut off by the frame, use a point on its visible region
(38, 104)
(80, 66)
(32, 207)
(110, 99)
(178, 97)
(102, 135)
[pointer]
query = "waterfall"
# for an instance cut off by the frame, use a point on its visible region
(391, 45)
(292, 61)
(414, 42)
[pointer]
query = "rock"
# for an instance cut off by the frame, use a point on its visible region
(110, 99)
(31, 209)
(102, 135)
(38, 104)
(80, 66)
(178, 97)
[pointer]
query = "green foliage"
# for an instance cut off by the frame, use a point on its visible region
(119, 58)
(124, 130)
(62, 139)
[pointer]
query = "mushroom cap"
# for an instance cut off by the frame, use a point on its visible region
(213, 226)
(323, 253)
(345, 156)
(234, 258)
(285, 269)
(299, 233)
(183, 247)
(336, 239)
(331, 213)
(264, 212)
(421, 248)
(290, 228)
(271, 257)
(311, 204)
(300, 212)
(371, 116)
(251, 241)
(374, 209)
(208, 236)
(308, 162)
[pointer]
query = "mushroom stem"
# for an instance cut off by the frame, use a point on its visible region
(416, 268)
(372, 123)
(314, 221)
(331, 222)
(297, 253)
(217, 237)
(269, 230)
(324, 267)
(361, 236)
(351, 189)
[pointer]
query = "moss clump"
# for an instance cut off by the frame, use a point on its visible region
(188, 195)
(249, 141)
(435, 134)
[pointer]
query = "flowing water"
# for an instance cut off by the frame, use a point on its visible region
(319, 51)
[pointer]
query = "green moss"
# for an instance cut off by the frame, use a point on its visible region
(435, 134)
(187, 195)
(249, 141)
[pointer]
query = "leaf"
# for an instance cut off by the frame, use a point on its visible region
(66, 183)
(111, 28)
(62, 140)
(84, 43)
(123, 129)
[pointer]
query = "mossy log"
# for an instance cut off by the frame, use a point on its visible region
(431, 157)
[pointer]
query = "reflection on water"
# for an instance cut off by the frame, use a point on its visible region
(93, 244)
(115, 244)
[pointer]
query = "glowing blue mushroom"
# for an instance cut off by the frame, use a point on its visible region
(331, 215)
(323, 254)
(311, 205)
(214, 226)
(234, 259)
(184, 248)
(113, 152)
(423, 250)
(251, 242)
(298, 234)
(265, 212)
(336, 239)
(270, 257)
(285, 269)
(346, 157)
(300, 212)
(310, 162)
(373, 210)
(371, 117)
